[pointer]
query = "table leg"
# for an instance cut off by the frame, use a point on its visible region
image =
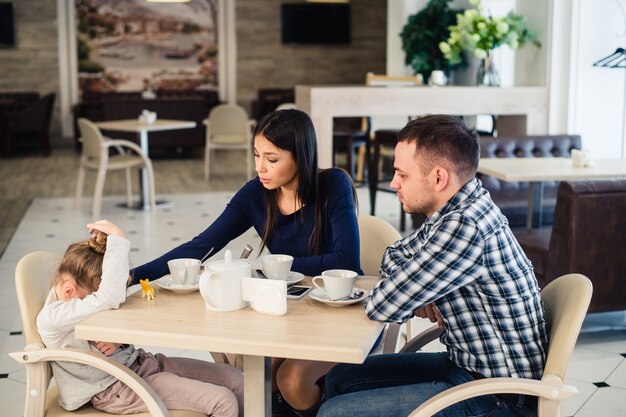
(257, 386)
(535, 204)
(145, 197)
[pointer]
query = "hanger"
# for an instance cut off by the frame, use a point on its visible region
(616, 60)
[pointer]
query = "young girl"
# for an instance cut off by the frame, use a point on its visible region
(92, 277)
(297, 210)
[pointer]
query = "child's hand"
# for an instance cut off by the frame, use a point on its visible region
(107, 348)
(106, 227)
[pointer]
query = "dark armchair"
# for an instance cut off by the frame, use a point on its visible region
(28, 127)
(588, 237)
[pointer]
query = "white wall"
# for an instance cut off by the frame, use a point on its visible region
(597, 96)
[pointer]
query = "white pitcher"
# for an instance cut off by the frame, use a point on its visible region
(220, 283)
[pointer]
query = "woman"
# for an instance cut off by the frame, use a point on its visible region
(297, 210)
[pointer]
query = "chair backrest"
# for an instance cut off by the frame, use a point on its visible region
(566, 300)
(375, 236)
(33, 275)
(229, 122)
(92, 138)
(588, 238)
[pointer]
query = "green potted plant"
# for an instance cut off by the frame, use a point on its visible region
(422, 34)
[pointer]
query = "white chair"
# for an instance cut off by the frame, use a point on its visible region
(375, 236)
(228, 128)
(33, 274)
(566, 300)
(96, 157)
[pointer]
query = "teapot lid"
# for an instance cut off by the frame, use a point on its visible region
(228, 262)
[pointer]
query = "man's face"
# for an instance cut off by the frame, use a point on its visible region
(413, 185)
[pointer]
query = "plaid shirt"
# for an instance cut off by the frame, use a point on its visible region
(466, 260)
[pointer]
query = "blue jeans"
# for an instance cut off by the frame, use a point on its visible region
(393, 385)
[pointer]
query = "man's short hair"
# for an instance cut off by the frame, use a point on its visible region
(441, 137)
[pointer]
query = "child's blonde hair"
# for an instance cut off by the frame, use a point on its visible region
(83, 262)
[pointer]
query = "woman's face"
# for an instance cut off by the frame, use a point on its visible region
(276, 167)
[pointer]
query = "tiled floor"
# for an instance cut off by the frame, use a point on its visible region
(598, 367)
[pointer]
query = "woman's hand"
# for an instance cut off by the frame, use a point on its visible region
(106, 227)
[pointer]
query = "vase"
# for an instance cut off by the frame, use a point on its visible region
(487, 75)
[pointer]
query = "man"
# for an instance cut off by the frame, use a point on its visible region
(464, 261)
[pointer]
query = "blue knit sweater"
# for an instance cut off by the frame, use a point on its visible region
(340, 236)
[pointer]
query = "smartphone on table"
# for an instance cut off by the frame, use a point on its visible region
(296, 292)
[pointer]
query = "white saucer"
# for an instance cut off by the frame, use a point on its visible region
(293, 277)
(166, 283)
(320, 295)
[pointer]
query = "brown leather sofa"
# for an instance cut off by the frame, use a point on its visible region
(588, 237)
(181, 105)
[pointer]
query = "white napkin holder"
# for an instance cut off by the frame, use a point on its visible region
(267, 296)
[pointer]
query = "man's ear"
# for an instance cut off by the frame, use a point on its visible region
(441, 178)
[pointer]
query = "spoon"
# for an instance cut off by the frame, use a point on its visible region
(354, 296)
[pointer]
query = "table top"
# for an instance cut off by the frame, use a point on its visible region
(134, 125)
(310, 330)
(550, 169)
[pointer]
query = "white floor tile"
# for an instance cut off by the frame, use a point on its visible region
(12, 398)
(618, 378)
(605, 402)
(592, 366)
(585, 391)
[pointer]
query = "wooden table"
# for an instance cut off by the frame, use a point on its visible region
(538, 170)
(142, 130)
(310, 330)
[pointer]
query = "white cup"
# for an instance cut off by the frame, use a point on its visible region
(437, 77)
(184, 271)
(338, 283)
(277, 266)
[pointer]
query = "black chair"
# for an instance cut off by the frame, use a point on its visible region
(382, 138)
(350, 134)
(28, 127)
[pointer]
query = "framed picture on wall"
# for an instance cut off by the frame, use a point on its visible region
(140, 45)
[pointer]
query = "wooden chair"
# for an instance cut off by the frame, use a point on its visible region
(228, 128)
(33, 275)
(95, 156)
(566, 300)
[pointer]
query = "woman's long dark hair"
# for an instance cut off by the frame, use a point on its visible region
(293, 131)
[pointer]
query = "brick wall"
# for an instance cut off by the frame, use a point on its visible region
(264, 62)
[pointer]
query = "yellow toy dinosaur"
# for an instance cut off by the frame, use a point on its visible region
(146, 290)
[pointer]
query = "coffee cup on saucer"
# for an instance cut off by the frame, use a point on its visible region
(338, 283)
(277, 266)
(184, 271)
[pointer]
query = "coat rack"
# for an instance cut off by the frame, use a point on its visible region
(616, 60)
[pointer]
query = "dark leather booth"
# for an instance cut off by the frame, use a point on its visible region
(588, 237)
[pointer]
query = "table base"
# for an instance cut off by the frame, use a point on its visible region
(139, 205)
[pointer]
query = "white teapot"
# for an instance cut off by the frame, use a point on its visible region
(220, 283)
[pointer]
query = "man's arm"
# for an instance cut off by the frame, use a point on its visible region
(423, 272)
